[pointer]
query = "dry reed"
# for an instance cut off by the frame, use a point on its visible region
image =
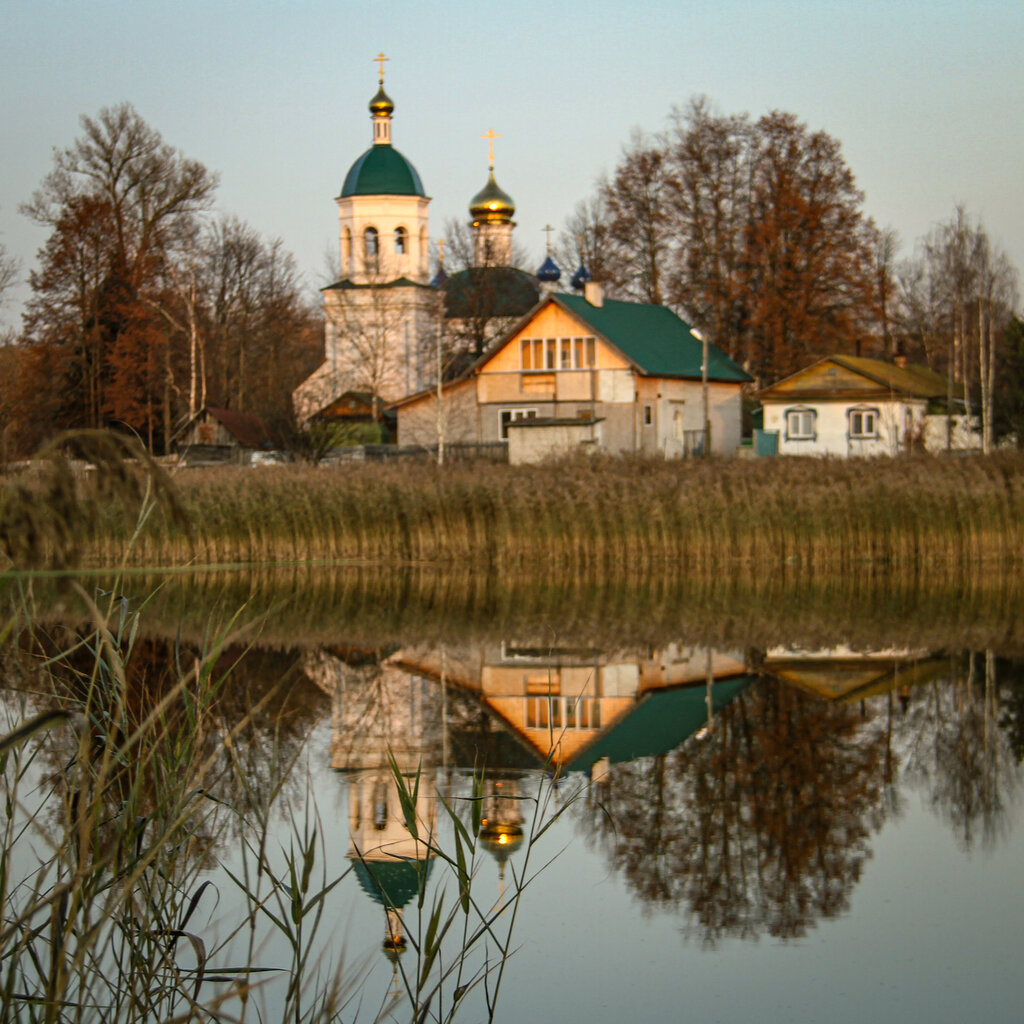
(710, 515)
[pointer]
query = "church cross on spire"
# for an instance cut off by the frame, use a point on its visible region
(379, 60)
(490, 135)
(547, 229)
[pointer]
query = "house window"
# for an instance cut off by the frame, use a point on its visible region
(546, 354)
(370, 242)
(401, 241)
(863, 424)
(507, 416)
(801, 425)
(648, 415)
(563, 713)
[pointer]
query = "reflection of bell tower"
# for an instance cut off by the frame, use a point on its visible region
(492, 210)
(501, 824)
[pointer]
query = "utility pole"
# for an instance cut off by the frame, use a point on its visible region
(706, 446)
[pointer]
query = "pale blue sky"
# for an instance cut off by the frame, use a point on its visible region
(924, 97)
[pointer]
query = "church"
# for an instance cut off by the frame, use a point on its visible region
(389, 326)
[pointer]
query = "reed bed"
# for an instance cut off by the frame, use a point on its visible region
(586, 514)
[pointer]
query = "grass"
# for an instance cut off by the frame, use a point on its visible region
(580, 516)
(139, 794)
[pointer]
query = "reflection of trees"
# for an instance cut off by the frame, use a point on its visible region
(762, 826)
(957, 754)
(245, 712)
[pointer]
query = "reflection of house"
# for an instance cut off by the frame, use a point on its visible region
(845, 675)
(631, 372)
(223, 435)
(848, 405)
(567, 702)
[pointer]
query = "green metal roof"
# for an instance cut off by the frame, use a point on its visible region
(659, 723)
(657, 341)
(382, 171)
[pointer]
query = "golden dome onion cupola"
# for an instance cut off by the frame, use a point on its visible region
(491, 210)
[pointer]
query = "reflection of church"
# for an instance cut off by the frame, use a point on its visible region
(382, 324)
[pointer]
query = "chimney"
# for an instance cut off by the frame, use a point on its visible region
(899, 359)
(593, 293)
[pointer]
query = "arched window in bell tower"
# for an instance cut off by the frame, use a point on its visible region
(347, 268)
(370, 245)
(401, 241)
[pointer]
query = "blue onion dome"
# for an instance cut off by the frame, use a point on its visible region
(549, 271)
(440, 279)
(381, 104)
(580, 278)
(491, 205)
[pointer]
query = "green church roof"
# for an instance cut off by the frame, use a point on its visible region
(382, 171)
(653, 338)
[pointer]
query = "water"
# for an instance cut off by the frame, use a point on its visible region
(813, 826)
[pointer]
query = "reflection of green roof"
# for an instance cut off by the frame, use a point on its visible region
(654, 338)
(382, 171)
(393, 882)
(660, 722)
(489, 291)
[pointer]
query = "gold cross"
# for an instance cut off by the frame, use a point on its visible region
(547, 229)
(440, 251)
(379, 59)
(490, 135)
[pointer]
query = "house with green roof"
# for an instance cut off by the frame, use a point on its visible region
(585, 372)
(852, 405)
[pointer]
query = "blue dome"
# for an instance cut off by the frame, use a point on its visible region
(382, 171)
(580, 278)
(549, 271)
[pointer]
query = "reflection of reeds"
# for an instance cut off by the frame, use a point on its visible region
(935, 608)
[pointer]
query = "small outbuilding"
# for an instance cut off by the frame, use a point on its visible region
(224, 436)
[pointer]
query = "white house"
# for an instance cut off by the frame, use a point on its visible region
(851, 405)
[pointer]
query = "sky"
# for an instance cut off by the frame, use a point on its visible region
(924, 97)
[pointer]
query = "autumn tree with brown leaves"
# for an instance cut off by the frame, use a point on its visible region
(143, 307)
(753, 230)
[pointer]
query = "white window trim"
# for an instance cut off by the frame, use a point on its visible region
(862, 435)
(553, 352)
(802, 410)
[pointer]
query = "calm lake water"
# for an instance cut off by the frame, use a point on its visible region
(714, 806)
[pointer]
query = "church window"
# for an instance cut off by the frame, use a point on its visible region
(347, 268)
(370, 242)
(401, 241)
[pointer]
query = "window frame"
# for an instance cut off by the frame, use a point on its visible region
(556, 355)
(862, 411)
(801, 435)
(371, 242)
(517, 413)
(401, 239)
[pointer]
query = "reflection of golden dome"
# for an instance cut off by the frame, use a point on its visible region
(381, 104)
(501, 838)
(491, 204)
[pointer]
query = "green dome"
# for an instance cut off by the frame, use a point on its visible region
(382, 171)
(392, 883)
